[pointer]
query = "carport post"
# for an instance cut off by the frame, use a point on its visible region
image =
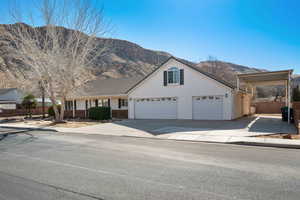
(289, 98)
(286, 93)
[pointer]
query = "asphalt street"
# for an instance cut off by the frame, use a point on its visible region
(50, 165)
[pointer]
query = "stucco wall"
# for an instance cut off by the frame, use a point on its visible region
(195, 84)
(240, 104)
(236, 105)
(247, 104)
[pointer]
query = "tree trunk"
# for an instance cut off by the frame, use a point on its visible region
(62, 109)
(56, 112)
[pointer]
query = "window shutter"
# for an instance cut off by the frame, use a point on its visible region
(108, 102)
(86, 104)
(96, 102)
(75, 105)
(165, 78)
(181, 77)
(119, 103)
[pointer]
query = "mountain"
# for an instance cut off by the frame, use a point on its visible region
(127, 59)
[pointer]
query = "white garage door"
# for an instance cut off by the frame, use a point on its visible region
(208, 107)
(156, 108)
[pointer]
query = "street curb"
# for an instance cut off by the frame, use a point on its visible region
(29, 129)
(3, 135)
(261, 144)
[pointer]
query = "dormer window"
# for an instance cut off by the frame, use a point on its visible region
(173, 75)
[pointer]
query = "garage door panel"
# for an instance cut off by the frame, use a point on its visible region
(156, 108)
(208, 108)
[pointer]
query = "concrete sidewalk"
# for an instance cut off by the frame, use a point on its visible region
(214, 136)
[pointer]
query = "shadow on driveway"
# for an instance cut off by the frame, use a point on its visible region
(158, 127)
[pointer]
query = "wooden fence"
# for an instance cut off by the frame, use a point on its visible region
(22, 112)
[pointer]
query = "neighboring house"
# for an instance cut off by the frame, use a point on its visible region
(10, 97)
(175, 90)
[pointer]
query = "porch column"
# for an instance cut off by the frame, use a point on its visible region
(73, 114)
(110, 103)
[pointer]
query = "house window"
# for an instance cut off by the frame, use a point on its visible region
(69, 105)
(105, 102)
(124, 103)
(173, 75)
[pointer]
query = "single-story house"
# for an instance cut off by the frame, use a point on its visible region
(175, 90)
(102, 92)
(10, 97)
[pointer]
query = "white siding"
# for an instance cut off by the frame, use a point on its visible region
(195, 84)
(8, 106)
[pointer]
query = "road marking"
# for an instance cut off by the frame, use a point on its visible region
(252, 122)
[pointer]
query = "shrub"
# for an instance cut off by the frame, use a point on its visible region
(51, 110)
(296, 94)
(29, 101)
(99, 113)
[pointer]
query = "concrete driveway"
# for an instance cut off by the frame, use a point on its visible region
(247, 126)
(190, 129)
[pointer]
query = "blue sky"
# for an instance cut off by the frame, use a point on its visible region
(256, 33)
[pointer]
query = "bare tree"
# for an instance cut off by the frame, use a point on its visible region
(55, 57)
(214, 64)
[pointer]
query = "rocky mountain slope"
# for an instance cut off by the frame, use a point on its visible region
(127, 59)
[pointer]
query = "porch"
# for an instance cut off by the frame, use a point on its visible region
(78, 107)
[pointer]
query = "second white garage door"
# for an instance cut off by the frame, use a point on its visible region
(156, 108)
(208, 108)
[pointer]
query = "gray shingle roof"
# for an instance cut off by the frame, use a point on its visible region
(6, 90)
(102, 87)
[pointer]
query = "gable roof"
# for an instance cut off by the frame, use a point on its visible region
(107, 87)
(5, 98)
(189, 64)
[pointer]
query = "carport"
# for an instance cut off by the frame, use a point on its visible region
(274, 78)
